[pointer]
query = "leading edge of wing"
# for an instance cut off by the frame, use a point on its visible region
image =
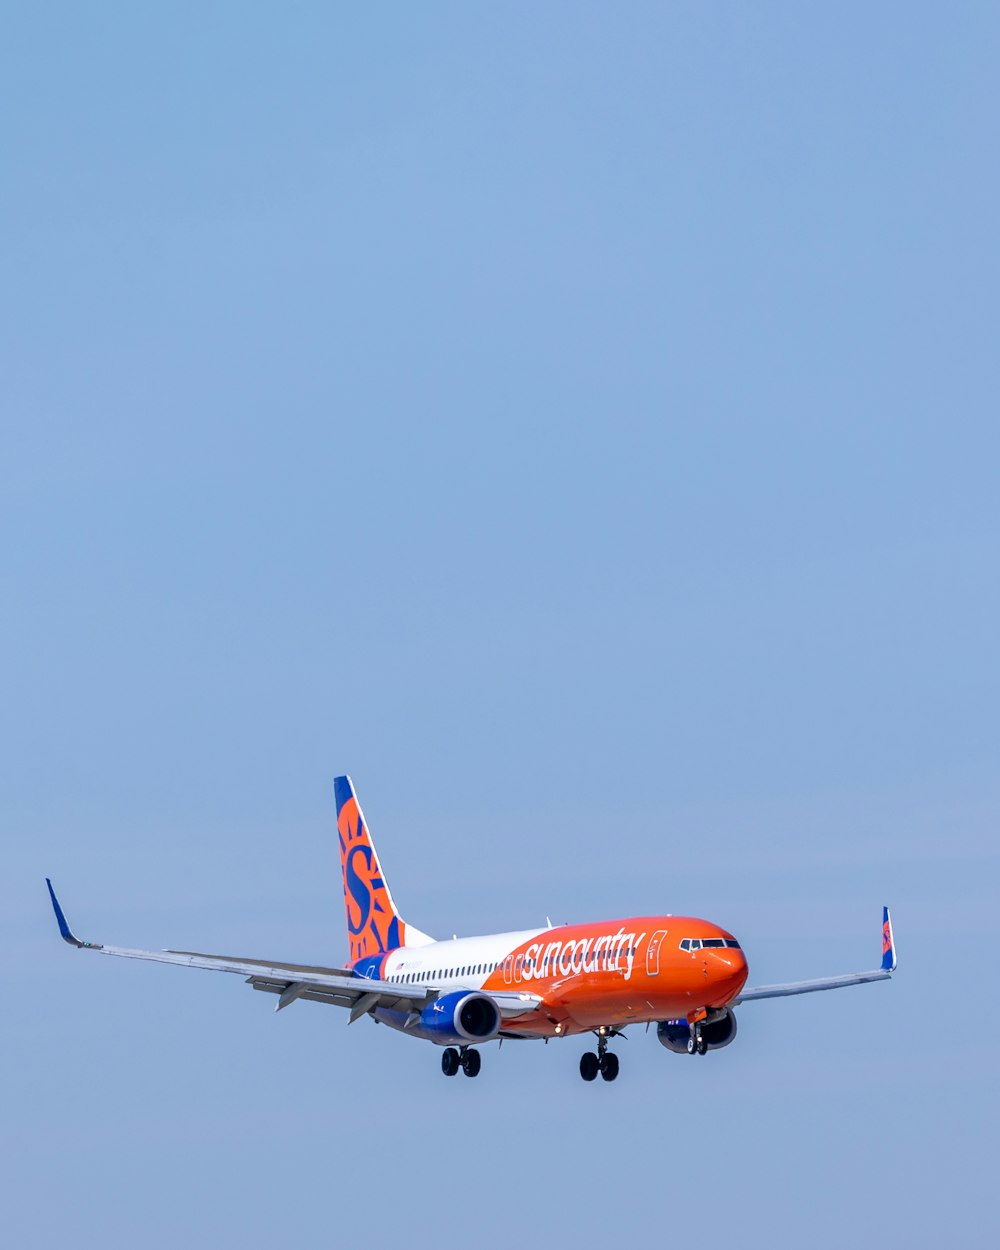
(326, 978)
(883, 973)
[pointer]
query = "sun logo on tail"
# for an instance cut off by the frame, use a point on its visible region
(372, 924)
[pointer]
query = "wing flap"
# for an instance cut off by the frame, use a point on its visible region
(338, 998)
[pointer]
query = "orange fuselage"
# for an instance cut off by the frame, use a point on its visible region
(620, 972)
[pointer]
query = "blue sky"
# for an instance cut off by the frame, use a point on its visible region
(574, 422)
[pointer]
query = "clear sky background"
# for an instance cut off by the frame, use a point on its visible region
(580, 424)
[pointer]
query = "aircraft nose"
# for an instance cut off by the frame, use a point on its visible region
(727, 970)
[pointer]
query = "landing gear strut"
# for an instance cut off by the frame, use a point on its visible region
(603, 1062)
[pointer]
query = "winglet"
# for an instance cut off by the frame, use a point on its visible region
(888, 943)
(64, 929)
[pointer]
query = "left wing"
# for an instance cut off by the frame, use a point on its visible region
(883, 973)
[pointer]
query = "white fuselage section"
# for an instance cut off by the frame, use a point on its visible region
(462, 963)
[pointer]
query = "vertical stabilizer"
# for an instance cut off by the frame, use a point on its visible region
(374, 926)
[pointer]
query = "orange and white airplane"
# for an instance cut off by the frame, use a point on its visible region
(683, 974)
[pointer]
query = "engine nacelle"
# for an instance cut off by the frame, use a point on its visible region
(674, 1034)
(461, 1018)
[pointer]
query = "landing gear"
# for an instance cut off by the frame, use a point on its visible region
(696, 1043)
(603, 1062)
(470, 1061)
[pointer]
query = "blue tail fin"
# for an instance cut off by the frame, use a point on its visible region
(374, 926)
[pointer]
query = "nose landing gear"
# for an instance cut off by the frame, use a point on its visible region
(696, 1043)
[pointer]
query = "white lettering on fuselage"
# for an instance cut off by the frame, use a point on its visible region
(607, 953)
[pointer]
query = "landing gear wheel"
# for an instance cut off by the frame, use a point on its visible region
(609, 1067)
(702, 1046)
(589, 1065)
(692, 1045)
(449, 1061)
(472, 1061)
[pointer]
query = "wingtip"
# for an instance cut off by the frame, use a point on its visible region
(65, 932)
(888, 942)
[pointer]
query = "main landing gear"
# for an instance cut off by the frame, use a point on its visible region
(470, 1061)
(604, 1061)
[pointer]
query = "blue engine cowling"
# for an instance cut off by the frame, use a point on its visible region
(674, 1034)
(461, 1018)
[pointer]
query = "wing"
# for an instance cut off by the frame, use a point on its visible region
(883, 973)
(289, 981)
(337, 986)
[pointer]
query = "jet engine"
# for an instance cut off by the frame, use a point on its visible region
(461, 1018)
(715, 1033)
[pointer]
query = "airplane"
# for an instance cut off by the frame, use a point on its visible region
(684, 974)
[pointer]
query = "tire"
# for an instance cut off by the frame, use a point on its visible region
(589, 1065)
(472, 1061)
(609, 1067)
(449, 1061)
(692, 1046)
(702, 1046)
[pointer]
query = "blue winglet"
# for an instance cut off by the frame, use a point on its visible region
(888, 943)
(64, 929)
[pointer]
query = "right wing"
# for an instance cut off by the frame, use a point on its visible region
(338, 986)
(882, 973)
(290, 981)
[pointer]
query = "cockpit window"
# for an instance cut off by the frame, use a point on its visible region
(732, 944)
(716, 942)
